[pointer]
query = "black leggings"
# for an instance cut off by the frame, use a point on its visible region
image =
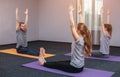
(64, 66)
(99, 54)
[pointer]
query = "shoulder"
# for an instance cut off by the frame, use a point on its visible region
(18, 30)
(80, 41)
(107, 35)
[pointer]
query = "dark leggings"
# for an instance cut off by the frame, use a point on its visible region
(99, 54)
(64, 66)
(27, 50)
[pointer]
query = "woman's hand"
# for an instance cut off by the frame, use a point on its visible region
(71, 9)
(26, 12)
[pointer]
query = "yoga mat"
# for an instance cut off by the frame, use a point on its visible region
(14, 52)
(86, 72)
(110, 58)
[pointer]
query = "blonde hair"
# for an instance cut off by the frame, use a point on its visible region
(83, 30)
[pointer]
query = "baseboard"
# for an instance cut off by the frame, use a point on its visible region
(51, 42)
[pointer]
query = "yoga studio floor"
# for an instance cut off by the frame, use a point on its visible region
(11, 65)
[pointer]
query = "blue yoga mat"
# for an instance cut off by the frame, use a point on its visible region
(87, 72)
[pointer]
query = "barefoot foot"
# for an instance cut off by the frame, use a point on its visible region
(41, 56)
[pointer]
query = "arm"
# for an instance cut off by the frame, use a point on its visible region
(108, 16)
(26, 18)
(72, 25)
(17, 19)
(102, 22)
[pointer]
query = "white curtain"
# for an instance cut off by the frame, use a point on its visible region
(91, 17)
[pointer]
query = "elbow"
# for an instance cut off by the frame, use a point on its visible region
(72, 26)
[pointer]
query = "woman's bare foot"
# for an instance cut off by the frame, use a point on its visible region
(42, 52)
(41, 56)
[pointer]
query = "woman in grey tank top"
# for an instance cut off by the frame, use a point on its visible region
(106, 33)
(81, 47)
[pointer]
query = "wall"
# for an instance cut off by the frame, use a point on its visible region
(7, 19)
(115, 15)
(54, 20)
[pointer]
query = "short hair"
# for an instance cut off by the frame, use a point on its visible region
(21, 23)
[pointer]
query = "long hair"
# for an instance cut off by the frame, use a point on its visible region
(108, 28)
(83, 30)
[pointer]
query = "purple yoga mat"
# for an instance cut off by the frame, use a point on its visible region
(110, 58)
(86, 72)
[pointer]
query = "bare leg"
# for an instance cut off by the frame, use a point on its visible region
(41, 56)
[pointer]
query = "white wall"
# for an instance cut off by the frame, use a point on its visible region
(7, 19)
(54, 20)
(114, 6)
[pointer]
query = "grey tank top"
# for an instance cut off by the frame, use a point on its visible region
(105, 43)
(21, 38)
(77, 51)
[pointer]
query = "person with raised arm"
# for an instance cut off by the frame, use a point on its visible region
(106, 34)
(21, 36)
(80, 48)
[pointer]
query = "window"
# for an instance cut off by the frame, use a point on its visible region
(91, 17)
(91, 12)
